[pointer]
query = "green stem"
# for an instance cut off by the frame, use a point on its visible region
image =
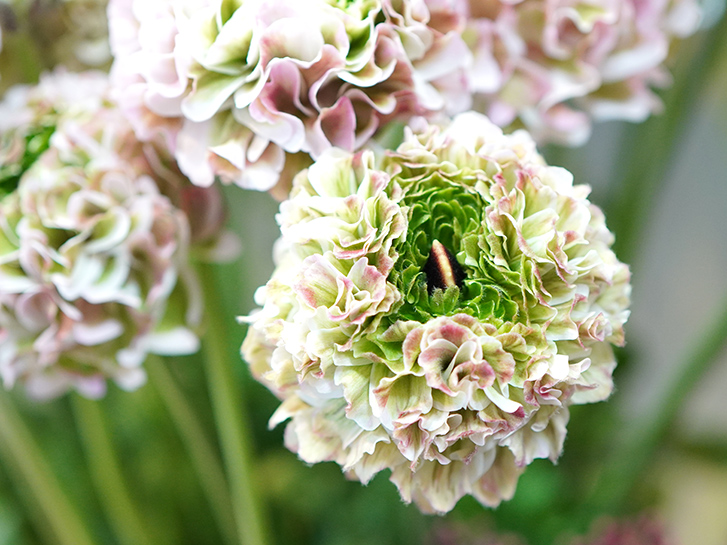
(110, 484)
(640, 437)
(230, 417)
(29, 468)
(651, 147)
(204, 458)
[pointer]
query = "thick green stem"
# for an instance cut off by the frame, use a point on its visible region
(27, 466)
(204, 458)
(231, 419)
(640, 437)
(103, 463)
(651, 147)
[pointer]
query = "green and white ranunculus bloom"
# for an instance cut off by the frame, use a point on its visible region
(437, 310)
(94, 256)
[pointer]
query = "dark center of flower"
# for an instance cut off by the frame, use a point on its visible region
(444, 265)
(442, 269)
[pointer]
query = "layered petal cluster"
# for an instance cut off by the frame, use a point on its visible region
(436, 311)
(236, 85)
(94, 270)
(552, 66)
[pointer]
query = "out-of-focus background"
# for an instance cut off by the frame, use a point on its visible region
(678, 251)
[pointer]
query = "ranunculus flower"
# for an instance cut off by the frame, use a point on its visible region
(436, 311)
(552, 66)
(235, 86)
(94, 257)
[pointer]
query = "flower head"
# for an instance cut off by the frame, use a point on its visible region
(552, 66)
(94, 270)
(236, 85)
(437, 313)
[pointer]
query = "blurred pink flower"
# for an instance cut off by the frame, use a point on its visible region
(235, 86)
(552, 66)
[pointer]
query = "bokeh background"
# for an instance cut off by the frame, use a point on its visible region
(658, 446)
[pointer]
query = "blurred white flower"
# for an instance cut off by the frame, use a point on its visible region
(94, 265)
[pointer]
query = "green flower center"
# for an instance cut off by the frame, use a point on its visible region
(444, 265)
